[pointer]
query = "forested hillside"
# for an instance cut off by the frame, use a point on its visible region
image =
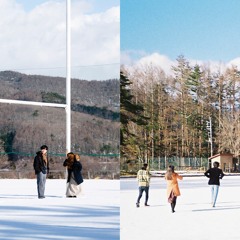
(102, 94)
(95, 122)
(176, 110)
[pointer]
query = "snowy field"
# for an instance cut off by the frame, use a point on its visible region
(194, 218)
(94, 215)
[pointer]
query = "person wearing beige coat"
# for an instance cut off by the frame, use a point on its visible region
(172, 186)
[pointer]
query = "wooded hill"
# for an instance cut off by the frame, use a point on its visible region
(168, 116)
(95, 122)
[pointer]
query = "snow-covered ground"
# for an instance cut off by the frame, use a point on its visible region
(194, 218)
(95, 215)
(92, 216)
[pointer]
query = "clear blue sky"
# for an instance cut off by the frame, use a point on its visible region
(198, 29)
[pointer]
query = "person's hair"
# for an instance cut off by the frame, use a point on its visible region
(77, 157)
(169, 172)
(44, 147)
(144, 167)
(216, 164)
(70, 159)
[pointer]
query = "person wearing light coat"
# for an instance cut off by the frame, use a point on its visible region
(143, 178)
(172, 186)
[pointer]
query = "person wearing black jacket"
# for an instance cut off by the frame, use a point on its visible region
(41, 167)
(214, 174)
(74, 176)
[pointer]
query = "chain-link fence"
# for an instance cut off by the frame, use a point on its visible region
(16, 164)
(161, 164)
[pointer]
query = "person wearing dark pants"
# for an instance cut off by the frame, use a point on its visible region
(141, 190)
(41, 167)
(172, 186)
(143, 178)
(214, 174)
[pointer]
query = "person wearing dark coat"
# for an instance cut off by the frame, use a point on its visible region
(214, 174)
(74, 176)
(41, 167)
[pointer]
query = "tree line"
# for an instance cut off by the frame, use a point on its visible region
(167, 115)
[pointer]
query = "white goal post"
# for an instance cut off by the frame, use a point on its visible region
(67, 106)
(41, 104)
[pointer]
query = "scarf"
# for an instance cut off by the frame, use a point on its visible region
(44, 156)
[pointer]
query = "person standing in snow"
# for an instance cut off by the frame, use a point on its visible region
(41, 167)
(74, 176)
(143, 178)
(172, 186)
(214, 174)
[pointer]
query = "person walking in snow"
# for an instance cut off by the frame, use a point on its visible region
(143, 178)
(214, 174)
(41, 167)
(172, 186)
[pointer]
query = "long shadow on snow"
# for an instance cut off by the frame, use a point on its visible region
(55, 229)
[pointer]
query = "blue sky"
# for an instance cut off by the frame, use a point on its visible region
(99, 5)
(199, 29)
(29, 5)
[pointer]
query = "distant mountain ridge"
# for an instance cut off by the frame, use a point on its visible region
(18, 86)
(23, 129)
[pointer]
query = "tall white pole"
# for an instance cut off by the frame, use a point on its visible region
(211, 140)
(68, 77)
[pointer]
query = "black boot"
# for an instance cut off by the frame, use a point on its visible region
(174, 204)
(172, 207)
